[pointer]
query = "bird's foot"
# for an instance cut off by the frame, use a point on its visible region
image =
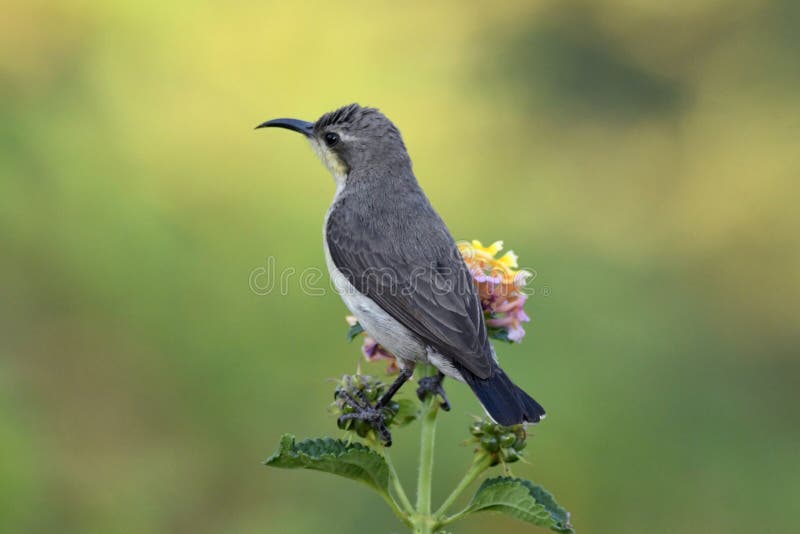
(363, 413)
(432, 385)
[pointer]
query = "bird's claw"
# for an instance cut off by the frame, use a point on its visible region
(432, 385)
(371, 415)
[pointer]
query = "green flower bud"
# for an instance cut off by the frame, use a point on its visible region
(490, 443)
(362, 428)
(511, 456)
(502, 443)
(521, 437)
(476, 429)
(507, 440)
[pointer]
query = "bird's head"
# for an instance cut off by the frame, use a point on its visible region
(350, 138)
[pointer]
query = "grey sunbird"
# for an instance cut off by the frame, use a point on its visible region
(398, 269)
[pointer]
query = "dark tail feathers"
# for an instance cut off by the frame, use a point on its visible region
(506, 403)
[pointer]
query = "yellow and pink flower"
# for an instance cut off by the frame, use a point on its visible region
(500, 283)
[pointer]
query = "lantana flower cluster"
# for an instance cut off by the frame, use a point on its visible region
(500, 284)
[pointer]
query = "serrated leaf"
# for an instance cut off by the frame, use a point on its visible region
(353, 331)
(523, 500)
(350, 460)
(546, 499)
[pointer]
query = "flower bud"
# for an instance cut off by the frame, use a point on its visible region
(502, 443)
(490, 443)
(476, 429)
(507, 440)
(510, 456)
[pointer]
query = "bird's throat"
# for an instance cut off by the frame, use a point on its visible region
(332, 162)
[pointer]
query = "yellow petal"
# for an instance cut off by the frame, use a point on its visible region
(494, 248)
(509, 259)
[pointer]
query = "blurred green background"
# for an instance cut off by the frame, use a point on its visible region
(641, 157)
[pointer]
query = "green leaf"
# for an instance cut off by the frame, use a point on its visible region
(407, 412)
(350, 460)
(523, 500)
(353, 331)
(499, 333)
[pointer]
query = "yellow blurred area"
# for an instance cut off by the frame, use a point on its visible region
(640, 157)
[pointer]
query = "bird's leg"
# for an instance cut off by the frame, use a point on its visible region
(432, 385)
(402, 378)
(373, 415)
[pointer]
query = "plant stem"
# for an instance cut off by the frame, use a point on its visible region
(454, 517)
(397, 485)
(424, 523)
(479, 465)
(396, 509)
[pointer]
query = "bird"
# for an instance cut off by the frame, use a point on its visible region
(398, 269)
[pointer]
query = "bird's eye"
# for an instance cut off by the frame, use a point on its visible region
(331, 138)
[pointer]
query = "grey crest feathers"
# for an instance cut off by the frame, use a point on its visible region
(353, 118)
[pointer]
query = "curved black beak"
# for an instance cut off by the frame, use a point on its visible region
(296, 125)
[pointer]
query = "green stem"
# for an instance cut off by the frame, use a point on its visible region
(396, 509)
(398, 487)
(424, 522)
(453, 518)
(479, 465)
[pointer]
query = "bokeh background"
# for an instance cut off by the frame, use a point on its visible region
(641, 157)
